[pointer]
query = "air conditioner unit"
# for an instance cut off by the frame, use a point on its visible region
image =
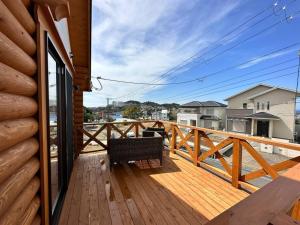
(266, 148)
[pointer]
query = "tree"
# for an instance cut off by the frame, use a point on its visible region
(87, 115)
(132, 112)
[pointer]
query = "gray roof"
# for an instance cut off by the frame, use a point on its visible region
(203, 104)
(262, 115)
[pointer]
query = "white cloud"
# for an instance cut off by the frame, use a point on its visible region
(257, 60)
(139, 39)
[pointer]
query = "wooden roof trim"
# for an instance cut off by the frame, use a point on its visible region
(59, 8)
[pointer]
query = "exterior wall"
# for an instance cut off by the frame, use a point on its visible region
(188, 117)
(282, 106)
(20, 179)
(237, 102)
(219, 112)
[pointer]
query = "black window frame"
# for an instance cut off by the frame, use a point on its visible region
(244, 105)
(257, 105)
(51, 49)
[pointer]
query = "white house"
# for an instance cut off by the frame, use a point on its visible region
(209, 114)
(160, 115)
(262, 110)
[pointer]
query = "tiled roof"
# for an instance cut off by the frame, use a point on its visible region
(204, 104)
(262, 115)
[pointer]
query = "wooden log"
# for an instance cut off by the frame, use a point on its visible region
(36, 221)
(31, 212)
(15, 131)
(16, 106)
(19, 10)
(26, 3)
(18, 208)
(15, 57)
(12, 28)
(14, 82)
(11, 188)
(14, 157)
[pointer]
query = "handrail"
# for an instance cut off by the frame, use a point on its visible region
(240, 136)
(194, 152)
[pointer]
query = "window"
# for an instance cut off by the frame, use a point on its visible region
(257, 105)
(262, 106)
(268, 105)
(244, 105)
(210, 111)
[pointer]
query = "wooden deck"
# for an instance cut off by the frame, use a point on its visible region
(143, 193)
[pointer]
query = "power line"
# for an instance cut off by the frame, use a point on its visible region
(235, 66)
(264, 80)
(226, 85)
(245, 74)
(144, 83)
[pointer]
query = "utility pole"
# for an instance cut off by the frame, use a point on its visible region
(295, 102)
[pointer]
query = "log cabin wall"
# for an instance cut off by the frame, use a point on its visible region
(46, 26)
(19, 141)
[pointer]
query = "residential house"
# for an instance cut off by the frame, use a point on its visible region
(262, 110)
(209, 114)
(160, 115)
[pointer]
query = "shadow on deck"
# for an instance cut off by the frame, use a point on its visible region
(144, 193)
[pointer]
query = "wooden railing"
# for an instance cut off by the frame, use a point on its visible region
(188, 141)
(112, 128)
(198, 144)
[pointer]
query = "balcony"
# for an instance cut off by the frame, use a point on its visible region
(188, 188)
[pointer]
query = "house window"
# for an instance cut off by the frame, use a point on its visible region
(210, 111)
(268, 105)
(257, 105)
(244, 105)
(262, 106)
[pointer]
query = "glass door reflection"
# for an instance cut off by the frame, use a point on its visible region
(54, 129)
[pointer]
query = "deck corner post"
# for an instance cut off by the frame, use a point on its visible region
(236, 163)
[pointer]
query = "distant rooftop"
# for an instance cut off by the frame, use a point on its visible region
(203, 104)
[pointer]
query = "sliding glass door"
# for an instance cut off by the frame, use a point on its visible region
(60, 138)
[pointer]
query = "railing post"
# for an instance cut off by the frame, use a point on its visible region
(173, 139)
(236, 163)
(108, 132)
(196, 146)
(136, 129)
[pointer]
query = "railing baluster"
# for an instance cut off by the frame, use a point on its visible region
(236, 163)
(108, 132)
(196, 146)
(136, 129)
(173, 139)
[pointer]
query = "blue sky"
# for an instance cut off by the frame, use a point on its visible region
(139, 40)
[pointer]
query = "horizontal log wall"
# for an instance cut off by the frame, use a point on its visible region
(19, 147)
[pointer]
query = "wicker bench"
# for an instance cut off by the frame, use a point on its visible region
(132, 149)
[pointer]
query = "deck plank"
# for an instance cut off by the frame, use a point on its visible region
(144, 193)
